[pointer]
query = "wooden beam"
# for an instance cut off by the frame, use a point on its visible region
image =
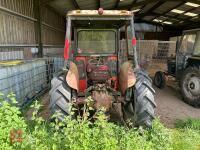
(76, 6)
(38, 26)
(180, 4)
(151, 9)
(173, 17)
(135, 14)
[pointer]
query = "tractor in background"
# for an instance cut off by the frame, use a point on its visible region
(185, 68)
(95, 68)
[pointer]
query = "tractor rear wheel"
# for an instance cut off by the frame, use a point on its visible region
(60, 97)
(139, 102)
(190, 86)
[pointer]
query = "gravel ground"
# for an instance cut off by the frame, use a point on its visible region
(170, 107)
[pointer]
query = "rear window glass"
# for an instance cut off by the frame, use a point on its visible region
(187, 44)
(96, 41)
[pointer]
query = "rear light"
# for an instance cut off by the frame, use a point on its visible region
(134, 41)
(100, 11)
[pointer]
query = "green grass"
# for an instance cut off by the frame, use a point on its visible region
(186, 135)
(81, 134)
(188, 123)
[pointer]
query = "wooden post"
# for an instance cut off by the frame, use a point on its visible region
(38, 27)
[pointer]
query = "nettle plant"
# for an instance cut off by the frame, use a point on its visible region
(86, 132)
(12, 125)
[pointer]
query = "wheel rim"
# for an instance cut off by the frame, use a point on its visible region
(192, 86)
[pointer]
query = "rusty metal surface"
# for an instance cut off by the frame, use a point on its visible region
(102, 97)
(117, 13)
(72, 77)
(102, 100)
(126, 77)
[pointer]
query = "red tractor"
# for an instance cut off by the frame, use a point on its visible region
(99, 68)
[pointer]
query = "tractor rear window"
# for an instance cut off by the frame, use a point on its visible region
(187, 44)
(96, 41)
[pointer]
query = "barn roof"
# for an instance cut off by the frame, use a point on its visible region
(174, 13)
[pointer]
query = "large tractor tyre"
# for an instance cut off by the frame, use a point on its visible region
(159, 80)
(139, 102)
(60, 97)
(190, 86)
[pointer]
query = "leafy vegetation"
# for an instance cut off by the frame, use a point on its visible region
(82, 134)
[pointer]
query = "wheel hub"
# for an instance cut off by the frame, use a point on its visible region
(194, 85)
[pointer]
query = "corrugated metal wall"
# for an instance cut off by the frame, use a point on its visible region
(18, 26)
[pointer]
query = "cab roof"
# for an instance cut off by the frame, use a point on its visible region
(95, 13)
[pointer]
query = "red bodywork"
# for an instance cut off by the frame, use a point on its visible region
(66, 49)
(100, 72)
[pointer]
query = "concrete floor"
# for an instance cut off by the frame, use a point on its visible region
(170, 107)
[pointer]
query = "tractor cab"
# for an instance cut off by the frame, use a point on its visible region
(188, 51)
(96, 47)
